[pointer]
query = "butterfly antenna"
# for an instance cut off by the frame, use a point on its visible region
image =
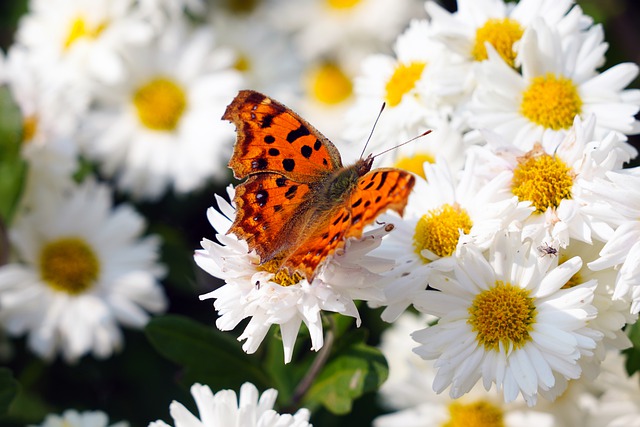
(404, 143)
(384, 104)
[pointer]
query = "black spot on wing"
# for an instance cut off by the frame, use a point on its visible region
(262, 197)
(382, 180)
(269, 139)
(317, 145)
(281, 182)
(266, 121)
(274, 152)
(288, 164)
(291, 192)
(259, 164)
(306, 151)
(297, 133)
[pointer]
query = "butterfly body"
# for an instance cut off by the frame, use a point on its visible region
(298, 204)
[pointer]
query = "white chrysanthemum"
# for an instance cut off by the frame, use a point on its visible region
(501, 24)
(507, 321)
(622, 250)
(76, 41)
(161, 127)
(253, 291)
(73, 418)
(558, 82)
(409, 390)
(442, 215)
(82, 269)
(619, 404)
(554, 176)
(49, 117)
(225, 409)
(263, 55)
(420, 85)
(320, 27)
(613, 314)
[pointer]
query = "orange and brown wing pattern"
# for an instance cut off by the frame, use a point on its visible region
(269, 208)
(272, 138)
(376, 191)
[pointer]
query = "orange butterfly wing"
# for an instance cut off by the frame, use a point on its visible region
(376, 191)
(272, 138)
(298, 203)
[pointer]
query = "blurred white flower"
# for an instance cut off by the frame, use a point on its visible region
(269, 297)
(619, 404)
(507, 321)
(73, 418)
(81, 269)
(443, 214)
(225, 409)
(75, 41)
(558, 82)
(161, 127)
(321, 27)
(621, 189)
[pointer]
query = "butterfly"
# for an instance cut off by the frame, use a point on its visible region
(298, 203)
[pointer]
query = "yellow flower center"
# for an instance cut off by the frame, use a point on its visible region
(503, 315)
(501, 34)
(476, 414)
(402, 80)
(242, 64)
(329, 84)
(542, 179)
(342, 4)
(280, 275)
(29, 128)
(69, 265)
(551, 102)
(160, 104)
(439, 230)
(81, 29)
(415, 163)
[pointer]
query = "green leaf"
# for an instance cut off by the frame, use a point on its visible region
(358, 369)
(208, 356)
(633, 353)
(8, 389)
(12, 166)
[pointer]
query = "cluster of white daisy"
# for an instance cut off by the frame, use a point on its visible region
(519, 247)
(520, 237)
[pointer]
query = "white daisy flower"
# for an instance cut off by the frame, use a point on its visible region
(263, 54)
(49, 117)
(558, 81)
(554, 176)
(507, 321)
(619, 404)
(268, 297)
(622, 250)
(442, 215)
(420, 85)
(408, 390)
(82, 269)
(613, 314)
(320, 27)
(161, 126)
(73, 418)
(500, 24)
(226, 409)
(77, 41)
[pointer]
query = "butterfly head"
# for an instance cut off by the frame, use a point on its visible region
(364, 165)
